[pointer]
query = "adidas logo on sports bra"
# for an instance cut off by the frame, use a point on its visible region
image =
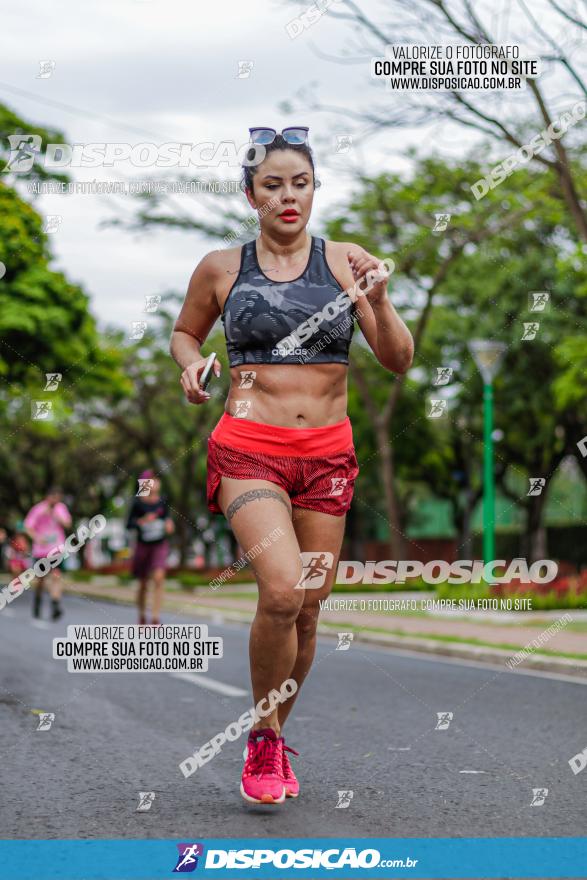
(282, 351)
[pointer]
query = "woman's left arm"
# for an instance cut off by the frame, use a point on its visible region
(387, 335)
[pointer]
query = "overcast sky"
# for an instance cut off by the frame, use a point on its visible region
(136, 71)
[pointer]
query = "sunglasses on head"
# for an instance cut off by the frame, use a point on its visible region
(295, 134)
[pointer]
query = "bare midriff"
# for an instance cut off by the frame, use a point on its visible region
(291, 395)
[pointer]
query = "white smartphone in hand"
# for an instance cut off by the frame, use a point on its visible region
(207, 372)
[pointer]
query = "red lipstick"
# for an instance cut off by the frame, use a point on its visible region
(289, 215)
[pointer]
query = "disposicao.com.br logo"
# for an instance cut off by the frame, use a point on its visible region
(316, 858)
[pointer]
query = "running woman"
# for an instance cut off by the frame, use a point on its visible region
(45, 523)
(281, 460)
(149, 515)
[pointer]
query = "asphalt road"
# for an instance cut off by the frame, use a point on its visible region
(365, 722)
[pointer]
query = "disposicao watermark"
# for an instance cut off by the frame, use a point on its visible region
(540, 640)
(252, 553)
(54, 558)
(206, 752)
(290, 344)
(28, 149)
(390, 571)
(251, 222)
(129, 648)
(526, 152)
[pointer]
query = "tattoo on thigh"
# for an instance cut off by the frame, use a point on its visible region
(253, 495)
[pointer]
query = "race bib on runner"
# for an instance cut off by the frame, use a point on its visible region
(153, 531)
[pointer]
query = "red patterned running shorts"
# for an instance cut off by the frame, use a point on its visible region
(317, 467)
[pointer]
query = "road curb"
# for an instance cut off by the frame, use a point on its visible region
(479, 653)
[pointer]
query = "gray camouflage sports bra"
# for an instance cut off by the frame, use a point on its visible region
(307, 320)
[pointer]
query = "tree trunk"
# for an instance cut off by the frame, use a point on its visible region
(183, 541)
(396, 536)
(465, 549)
(535, 544)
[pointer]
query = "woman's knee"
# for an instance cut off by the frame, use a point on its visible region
(281, 603)
(307, 620)
(279, 575)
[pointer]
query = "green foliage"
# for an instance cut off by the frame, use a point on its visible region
(412, 584)
(46, 327)
(494, 253)
(12, 124)
(531, 601)
(190, 580)
(45, 322)
(120, 407)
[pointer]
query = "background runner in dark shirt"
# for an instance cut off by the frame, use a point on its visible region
(149, 519)
(149, 516)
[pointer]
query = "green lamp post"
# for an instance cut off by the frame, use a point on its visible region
(487, 354)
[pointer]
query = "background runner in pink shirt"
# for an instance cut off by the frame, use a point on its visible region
(46, 523)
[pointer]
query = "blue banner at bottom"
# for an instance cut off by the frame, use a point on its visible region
(372, 858)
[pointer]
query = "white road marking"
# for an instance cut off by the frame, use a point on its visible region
(472, 771)
(398, 748)
(40, 624)
(210, 684)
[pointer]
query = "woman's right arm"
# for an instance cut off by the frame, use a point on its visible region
(196, 318)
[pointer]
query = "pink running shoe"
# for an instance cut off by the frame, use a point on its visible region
(292, 786)
(262, 781)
